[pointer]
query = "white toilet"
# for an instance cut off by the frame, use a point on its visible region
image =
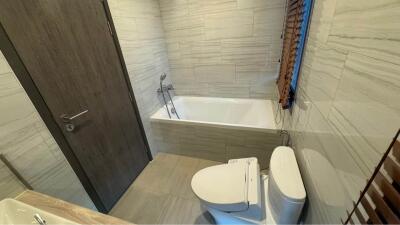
(236, 193)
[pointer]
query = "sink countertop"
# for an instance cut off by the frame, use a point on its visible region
(67, 210)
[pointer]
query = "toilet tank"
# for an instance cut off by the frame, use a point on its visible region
(286, 193)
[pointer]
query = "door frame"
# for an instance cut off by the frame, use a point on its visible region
(24, 77)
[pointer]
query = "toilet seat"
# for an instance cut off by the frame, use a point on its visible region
(223, 187)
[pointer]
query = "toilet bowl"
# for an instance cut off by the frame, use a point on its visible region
(236, 193)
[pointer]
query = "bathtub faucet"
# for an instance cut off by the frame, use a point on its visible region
(166, 88)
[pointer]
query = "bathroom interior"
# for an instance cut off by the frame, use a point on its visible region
(240, 112)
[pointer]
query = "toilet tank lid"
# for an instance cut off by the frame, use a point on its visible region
(286, 174)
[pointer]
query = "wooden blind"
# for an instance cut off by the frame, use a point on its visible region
(291, 37)
(379, 203)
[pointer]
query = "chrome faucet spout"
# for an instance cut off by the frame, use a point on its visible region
(39, 219)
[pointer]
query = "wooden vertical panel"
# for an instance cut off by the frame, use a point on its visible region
(373, 216)
(396, 150)
(393, 169)
(295, 10)
(390, 192)
(387, 203)
(382, 207)
(360, 216)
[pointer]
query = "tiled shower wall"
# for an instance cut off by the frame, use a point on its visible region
(141, 35)
(223, 48)
(347, 108)
(28, 145)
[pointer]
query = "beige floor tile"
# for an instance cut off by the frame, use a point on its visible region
(207, 163)
(167, 160)
(182, 176)
(176, 210)
(163, 194)
(199, 215)
(140, 206)
(179, 210)
(156, 176)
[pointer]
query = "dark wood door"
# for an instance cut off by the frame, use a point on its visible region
(70, 54)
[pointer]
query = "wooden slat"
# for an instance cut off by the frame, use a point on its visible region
(295, 14)
(392, 169)
(295, 27)
(290, 42)
(293, 19)
(290, 19)
(396, 150)
(290, 35)
(359, 216)
(293, 45)
(382, 207)
(292, 30)
(295, 6)
(391, 194)
(293, 2)
(370, 211)
(292, 24)
(387, 201)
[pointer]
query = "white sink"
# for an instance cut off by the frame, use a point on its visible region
(16, 212)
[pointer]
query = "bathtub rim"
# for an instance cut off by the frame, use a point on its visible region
(213, 124)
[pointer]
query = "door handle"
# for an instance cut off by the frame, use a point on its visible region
(69, 126)
(68, 119)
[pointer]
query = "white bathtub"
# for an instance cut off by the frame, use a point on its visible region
(233, 113)
(217, 129)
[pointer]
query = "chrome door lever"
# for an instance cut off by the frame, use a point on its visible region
(68, 119)
(69, 126)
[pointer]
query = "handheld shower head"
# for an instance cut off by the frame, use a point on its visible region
(163, 76)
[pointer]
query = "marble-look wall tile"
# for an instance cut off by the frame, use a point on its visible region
(10, 186)
(373, 29)
(210, 6)
(141, 35)
(215, 74)
(217, 33)
(246, 4)
(27, 143)
(347, 108)
(322, 16)
(235, 24)
(372, 87)
(321, 74)
(139, 9)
